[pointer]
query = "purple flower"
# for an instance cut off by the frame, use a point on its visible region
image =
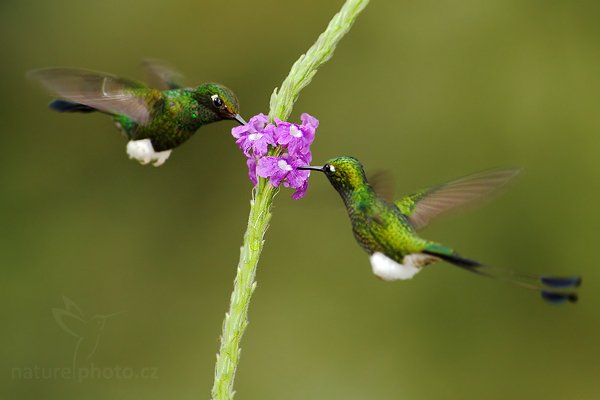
(275, 169)
(299, 193)
(256, 123)
(283, 169)
(298, 179)
(297, 138)
(256, 135)
(251, 163)
(308, 119)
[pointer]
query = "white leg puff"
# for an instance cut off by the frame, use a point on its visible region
(143, 151)
(390, 270)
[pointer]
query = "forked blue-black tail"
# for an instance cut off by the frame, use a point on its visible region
(553, 289)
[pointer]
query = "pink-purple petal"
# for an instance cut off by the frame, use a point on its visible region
(299, 193)
(267, 166)
(256, 138)
(251, 163)
(308, 119)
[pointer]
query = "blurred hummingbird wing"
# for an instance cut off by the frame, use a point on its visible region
(382, 182)
(103, 92)
(161, 75)
(423, 206)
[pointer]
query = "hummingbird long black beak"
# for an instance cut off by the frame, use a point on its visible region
(239, 119)
(313, 168)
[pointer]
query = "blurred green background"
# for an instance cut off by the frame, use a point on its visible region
(430, 90)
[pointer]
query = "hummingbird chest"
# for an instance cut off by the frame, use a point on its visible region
(380, 228)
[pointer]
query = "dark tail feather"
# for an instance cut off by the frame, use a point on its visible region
(561, 282)
(553, 289)
(559, 298)
(455, 259)
(68, 106)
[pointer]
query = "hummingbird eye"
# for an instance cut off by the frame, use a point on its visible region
(329, 168)
(217, 101)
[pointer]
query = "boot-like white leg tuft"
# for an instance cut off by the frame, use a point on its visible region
(390, 270)
(143, 151)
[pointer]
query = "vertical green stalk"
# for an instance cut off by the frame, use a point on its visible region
(281, 105)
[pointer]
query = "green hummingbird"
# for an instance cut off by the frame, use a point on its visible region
(387, 231)
(156, 118)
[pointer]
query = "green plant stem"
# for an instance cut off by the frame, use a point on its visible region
(305, 68)
(236, 320)
(281, 105)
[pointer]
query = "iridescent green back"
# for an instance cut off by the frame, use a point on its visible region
(378, 226)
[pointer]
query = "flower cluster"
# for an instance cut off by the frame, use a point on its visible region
(258, 137)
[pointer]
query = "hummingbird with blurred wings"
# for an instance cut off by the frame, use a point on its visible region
(387, 231)
(156, 118)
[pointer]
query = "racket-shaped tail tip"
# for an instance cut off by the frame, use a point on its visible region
(559, 298)
(561, 282)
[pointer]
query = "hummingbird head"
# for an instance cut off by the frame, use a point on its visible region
(344, 173)
(220, 101)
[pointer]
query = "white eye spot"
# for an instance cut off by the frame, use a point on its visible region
(284, 166)
(295, 132)
(332, 168)
(217, 101)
